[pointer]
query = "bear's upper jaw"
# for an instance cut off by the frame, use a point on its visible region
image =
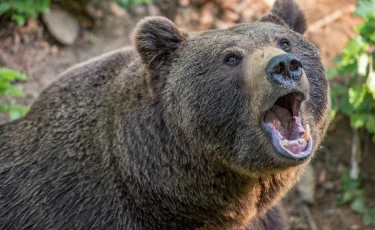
(284, 124)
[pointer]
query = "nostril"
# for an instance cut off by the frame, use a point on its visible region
(278, 69)
(294, 65)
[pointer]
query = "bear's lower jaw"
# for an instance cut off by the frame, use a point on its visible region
(284, 125)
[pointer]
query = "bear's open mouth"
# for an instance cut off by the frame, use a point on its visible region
(283, 122)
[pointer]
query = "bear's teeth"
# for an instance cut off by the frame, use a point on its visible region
(288, 143)
(306, 136)
(276, 124)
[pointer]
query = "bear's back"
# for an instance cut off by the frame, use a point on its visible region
(80, 95)
(70, 125)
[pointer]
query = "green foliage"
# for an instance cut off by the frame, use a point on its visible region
(353, 92)
(7, 76)
(20, 10)
(369, 217)
(131, 3)
(355, 197)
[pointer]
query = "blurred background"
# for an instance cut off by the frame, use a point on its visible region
(41, 38)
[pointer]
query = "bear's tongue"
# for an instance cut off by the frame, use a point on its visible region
(292, 135)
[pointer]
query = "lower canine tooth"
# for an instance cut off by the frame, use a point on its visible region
(306, 136)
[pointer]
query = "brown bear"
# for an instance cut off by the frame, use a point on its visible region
(200, 131)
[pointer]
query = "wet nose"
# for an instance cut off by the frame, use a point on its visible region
(283, 68)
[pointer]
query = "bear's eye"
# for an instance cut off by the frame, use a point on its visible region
(284, 44)
(232, 59)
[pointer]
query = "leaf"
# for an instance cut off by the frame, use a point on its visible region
(331, 73)
(345, 106)
(4, 7)
(338, 90)
(4, 108)
(363, 61)
(14, 114)
(11, 75)
(359, 205)
(14, 91)
(346, 198)
(4, 87)
(347, 183)
(366, 30)
(332, 114)
(17, 111)
(356, 95)
(358, 120)
(369, 217)
(365, 9)
(366, 103)
(355, 47)
(19, 19)
(347, 68)
(131, 3)
(370, 124)
(371, 83)
(143, 1)
(125, 3)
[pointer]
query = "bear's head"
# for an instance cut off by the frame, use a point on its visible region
(254, 95)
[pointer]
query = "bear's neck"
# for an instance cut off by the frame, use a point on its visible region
(174, 187)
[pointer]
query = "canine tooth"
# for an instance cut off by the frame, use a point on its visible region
(285, 142)
(306, 136)
(276, 124)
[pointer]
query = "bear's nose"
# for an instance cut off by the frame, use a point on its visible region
(284, 67)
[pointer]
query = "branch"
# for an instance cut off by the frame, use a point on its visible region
(356, 155)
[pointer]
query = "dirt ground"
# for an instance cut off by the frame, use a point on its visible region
(33, 51)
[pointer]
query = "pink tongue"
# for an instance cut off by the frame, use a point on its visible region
(282, 120)
(297, 148)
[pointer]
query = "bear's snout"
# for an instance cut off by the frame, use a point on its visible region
(284, 69)
(271, 72)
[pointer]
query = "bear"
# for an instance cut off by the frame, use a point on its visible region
(206, 130)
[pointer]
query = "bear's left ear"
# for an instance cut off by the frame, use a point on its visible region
(155, 39)
(287, 13)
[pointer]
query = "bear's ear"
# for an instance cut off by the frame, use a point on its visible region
(155, 39)
(287, 13)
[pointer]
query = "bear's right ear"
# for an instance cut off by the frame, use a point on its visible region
(287, 13)
(155, 39)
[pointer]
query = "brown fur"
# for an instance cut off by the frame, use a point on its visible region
(163, 136)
